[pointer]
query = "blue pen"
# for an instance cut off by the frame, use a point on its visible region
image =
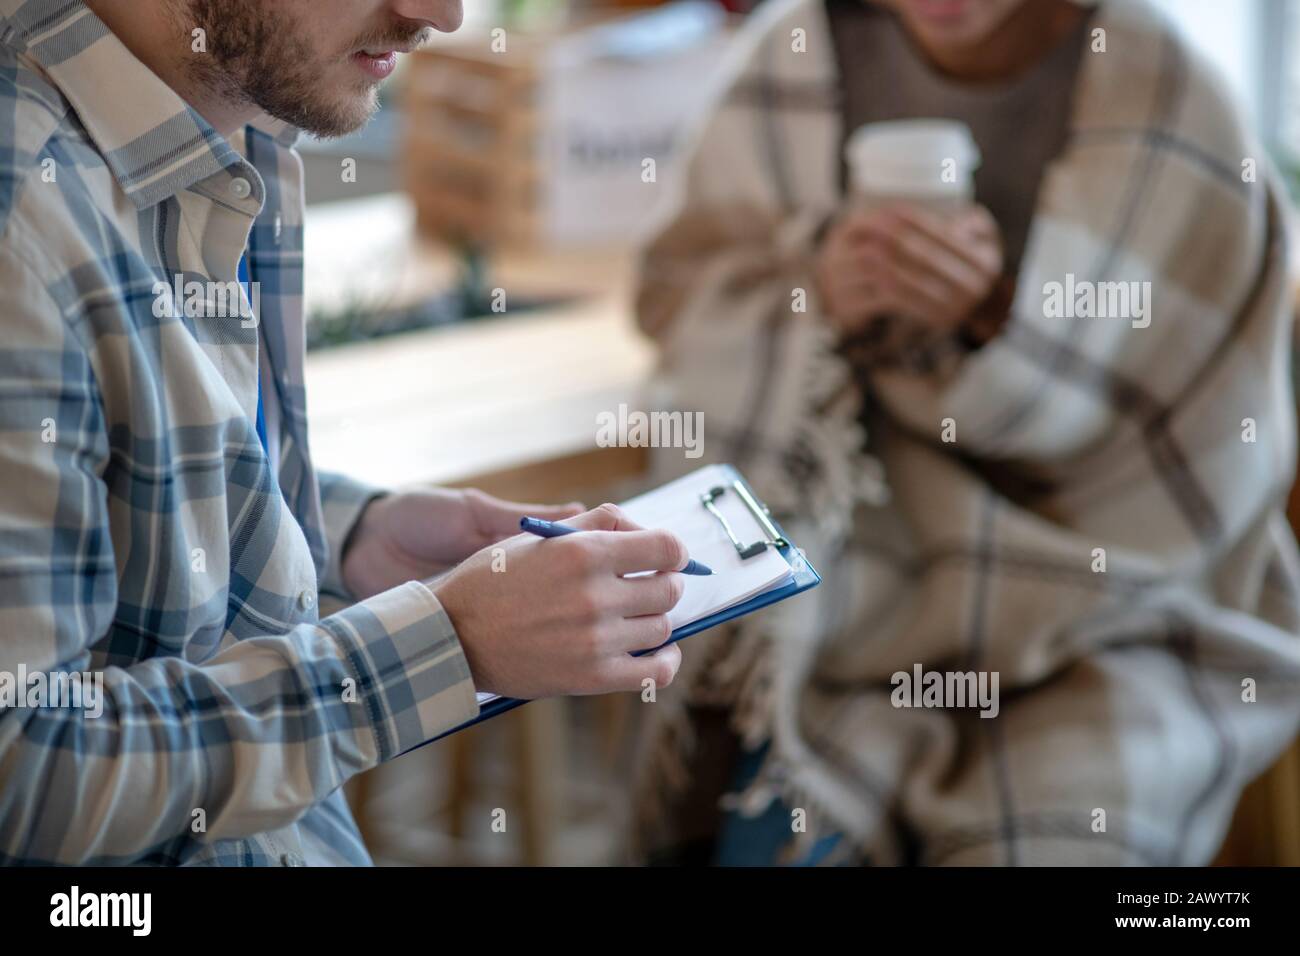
(553, 529)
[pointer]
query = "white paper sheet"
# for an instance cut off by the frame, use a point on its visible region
(677, 507)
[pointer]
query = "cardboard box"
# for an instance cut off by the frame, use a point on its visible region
(544, 140)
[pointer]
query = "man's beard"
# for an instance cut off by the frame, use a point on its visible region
(258, 54)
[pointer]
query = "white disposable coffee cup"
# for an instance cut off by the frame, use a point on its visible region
(930, 162)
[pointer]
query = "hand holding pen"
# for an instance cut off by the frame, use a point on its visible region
(538, 617)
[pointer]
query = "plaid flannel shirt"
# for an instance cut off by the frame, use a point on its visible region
(144, 535)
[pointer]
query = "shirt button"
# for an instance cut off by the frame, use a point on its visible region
(306, 599)
(241, 187)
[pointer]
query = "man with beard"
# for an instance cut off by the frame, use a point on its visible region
(162, 522)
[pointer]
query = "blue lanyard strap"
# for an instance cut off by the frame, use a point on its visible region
(261, 415)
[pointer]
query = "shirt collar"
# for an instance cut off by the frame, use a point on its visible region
(154, 143)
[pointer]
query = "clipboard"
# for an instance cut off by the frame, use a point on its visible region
(803, 577)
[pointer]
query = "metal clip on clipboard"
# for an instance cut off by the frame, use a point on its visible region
(756, 508)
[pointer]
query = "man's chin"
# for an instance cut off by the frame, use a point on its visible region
(332, 120)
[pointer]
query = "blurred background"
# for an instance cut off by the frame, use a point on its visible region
(493, 209)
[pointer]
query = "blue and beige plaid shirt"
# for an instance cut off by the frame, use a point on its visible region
(144, 534)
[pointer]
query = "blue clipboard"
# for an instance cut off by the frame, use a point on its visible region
(805, 577)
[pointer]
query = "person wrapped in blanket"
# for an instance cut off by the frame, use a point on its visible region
(1059, 620)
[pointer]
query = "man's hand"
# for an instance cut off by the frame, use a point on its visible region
(416, 535)
(547, 616)
(910, 262)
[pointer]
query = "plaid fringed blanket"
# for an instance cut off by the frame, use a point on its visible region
(1087, 507)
